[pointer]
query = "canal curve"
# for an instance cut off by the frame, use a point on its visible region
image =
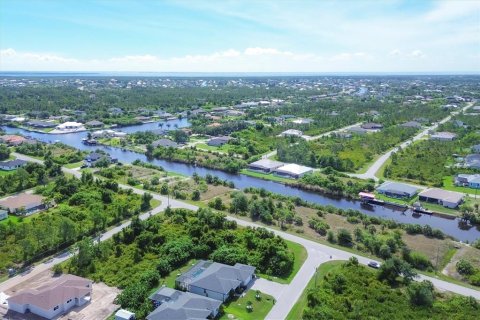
(453, 227)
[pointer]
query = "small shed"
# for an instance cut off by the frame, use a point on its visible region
(123, 314)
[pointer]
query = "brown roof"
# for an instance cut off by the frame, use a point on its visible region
(26, 200)
(58, 292)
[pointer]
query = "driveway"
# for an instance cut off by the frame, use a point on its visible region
(274, 289)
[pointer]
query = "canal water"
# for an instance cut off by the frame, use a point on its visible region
(452, 227)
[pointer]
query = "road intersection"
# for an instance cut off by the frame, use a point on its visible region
(285, 300)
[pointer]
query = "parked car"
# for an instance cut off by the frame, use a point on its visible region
(374, 264)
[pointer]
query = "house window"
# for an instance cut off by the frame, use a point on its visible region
(56, 308)
(69, 300)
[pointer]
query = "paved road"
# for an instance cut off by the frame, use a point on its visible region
(286, 299)
(308, 138)
(371, 172)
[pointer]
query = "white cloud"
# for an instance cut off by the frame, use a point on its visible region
(255, 59)
(454, 9)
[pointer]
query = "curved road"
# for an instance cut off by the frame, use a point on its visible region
(317, 254)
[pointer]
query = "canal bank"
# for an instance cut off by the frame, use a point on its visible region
(452, 227)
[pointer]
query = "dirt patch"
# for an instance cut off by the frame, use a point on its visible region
(467, 253)
(100, 307)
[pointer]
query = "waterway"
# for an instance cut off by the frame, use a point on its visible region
(452, 226)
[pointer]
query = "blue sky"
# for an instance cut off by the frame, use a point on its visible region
(248, 36)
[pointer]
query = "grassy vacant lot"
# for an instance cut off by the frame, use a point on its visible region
(74, 165)
(237, 308)
(297, 310)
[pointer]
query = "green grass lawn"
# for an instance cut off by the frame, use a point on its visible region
(449, 185)
(74, 165)
(395, 200)
(237, 308)
(439, 208)
(297, 310)
(6, 173)
(205, 146)
(169, 280)
(265, 176)
(155, 203)
(300, 254)
(11, 218)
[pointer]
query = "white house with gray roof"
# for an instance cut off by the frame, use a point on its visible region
(179, 305)
(54, 298)
(397, 190)
(215, 280)
(265, 165)
(449, 199)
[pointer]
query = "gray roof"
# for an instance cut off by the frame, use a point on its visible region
(13, 163)
(180, 305)
(266, 164)
(164, 143)
(443, 195)
(411, 124)
(398, 188)
(54, 293)
(217, 277)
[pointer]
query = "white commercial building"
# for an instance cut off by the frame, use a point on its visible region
(291, 132)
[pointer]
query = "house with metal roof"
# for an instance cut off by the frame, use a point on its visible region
(12, 164)
(265, 165)
(443, 136)
(449, 199)
(218, 141)
(397, 190)
(215, 280)
(165, 143)
(293, 170)
(54, 298)
(174, 304)
(472, 161)
(468, 180)
(291, 132)
(123, 314)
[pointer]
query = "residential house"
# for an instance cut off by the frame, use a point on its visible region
(165, 143)
(443, 136)
(3, 214)
(291, 132)
(12, 139)
(52, 299)
(472, 161)
(41, 124)
(303, 121)
(265, 165)
(115, 111)
(372, 126)
(292, 170)
(357, 130)
(397, 190)
(94, 124)
(468, 180)
(218, 141)
(23, 204)
(12, 164)
(93, 158)
(449, 199)
(475, 109)
(215, 280)
(412, 124)
(179, 305)
(70, 127)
